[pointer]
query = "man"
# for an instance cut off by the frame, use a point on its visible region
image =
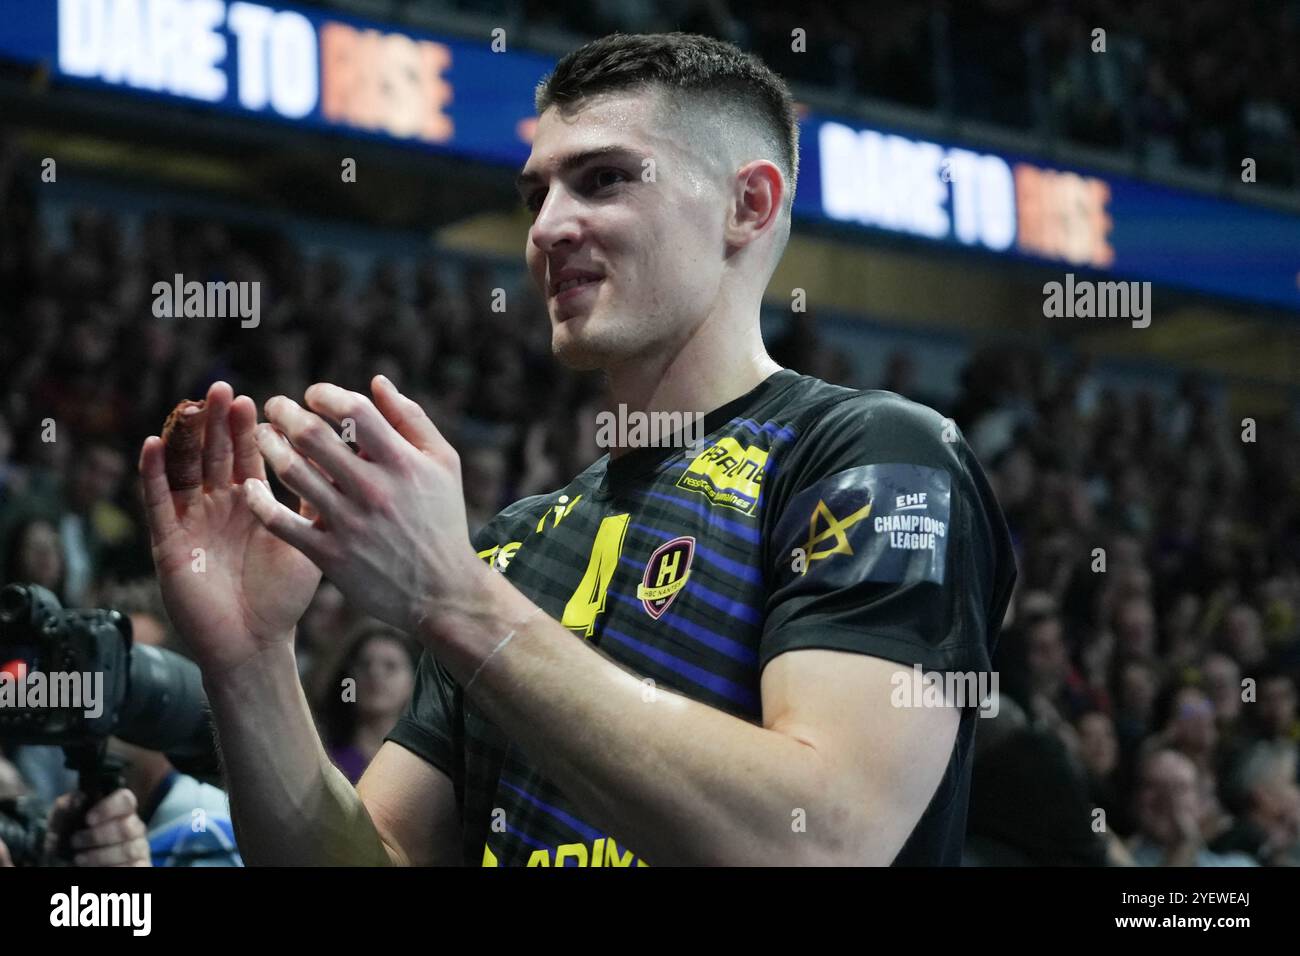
(678, 658)
(1169, 805)
(1263, 794)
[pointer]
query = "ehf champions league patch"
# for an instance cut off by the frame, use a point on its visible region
(884, 522)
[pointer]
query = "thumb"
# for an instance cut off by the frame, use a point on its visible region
(406, 416)
(63, 808)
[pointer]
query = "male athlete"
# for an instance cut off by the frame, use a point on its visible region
(687, 655)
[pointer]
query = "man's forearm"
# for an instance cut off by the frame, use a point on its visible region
(675, 780)
(289, 805)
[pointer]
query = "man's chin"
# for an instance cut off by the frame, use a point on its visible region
(580, 351)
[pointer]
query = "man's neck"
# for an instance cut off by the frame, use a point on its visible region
(705, 373)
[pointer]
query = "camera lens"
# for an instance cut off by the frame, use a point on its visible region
(15, 604)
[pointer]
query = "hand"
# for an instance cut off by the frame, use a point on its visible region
(1188, 827)
(5, 859)
(253, 587)
(392, 533)
(114, 834)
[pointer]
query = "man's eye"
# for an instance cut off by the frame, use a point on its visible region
(597, 180)
(596, 177)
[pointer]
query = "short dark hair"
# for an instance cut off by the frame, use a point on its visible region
(692, 70)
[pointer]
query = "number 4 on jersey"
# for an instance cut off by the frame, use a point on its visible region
(588, 598)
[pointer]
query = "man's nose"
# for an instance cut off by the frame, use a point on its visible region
(557, 221)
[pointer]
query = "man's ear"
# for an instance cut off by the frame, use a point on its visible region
(759, 190)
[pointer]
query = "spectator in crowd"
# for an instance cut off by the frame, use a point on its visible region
(1190, 728)
(1099, 754)
(1263, 793)
(35, 556)
(1169, 811)
(371, 690)
(1278, 729)
(319, 645)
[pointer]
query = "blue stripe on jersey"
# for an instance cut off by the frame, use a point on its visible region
(723, 645)
(535, 844)
(710, 512)
(742, 571)
(744, 696)
(729, 606)
(781, 431)
(589, 833)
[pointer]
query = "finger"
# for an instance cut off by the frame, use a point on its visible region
(312, 436)
(132, 853)
(159, 507)
(183, 452)
(293, 529)
(248, 460)
(119, 803)
(298, 474)
(5, 859)
(109, 833)
(374, 436)
(62, 809)
(407, 416)
(307, 511)
(217, 448)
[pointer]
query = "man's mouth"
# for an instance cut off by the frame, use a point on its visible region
(572, 288)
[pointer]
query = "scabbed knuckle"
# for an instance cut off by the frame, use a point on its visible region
(314, 432)
(289, 470)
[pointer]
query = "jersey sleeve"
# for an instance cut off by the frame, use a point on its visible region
(432, 726)
(880, 541)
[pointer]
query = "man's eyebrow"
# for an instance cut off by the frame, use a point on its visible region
(572, 160)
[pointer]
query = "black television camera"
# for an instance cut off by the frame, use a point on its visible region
(147, 696)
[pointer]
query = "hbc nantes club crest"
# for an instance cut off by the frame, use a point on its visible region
(665, 574)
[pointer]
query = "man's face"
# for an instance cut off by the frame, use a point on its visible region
(1047, 658)
(652, 232)
(1168, 792)
(1277, 701)
(1194, 728)
(1097, 743)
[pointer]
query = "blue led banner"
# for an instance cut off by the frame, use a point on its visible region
(1021, 206)
(308, 67)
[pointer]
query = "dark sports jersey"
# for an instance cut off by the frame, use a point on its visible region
(807, 516)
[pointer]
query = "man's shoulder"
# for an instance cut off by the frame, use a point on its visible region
(838, 426)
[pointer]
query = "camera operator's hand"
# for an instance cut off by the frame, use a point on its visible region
(4, 855)
(253, 587)
(114, 834)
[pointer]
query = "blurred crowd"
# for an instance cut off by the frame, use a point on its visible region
(1201, 83)
(1148, 664)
